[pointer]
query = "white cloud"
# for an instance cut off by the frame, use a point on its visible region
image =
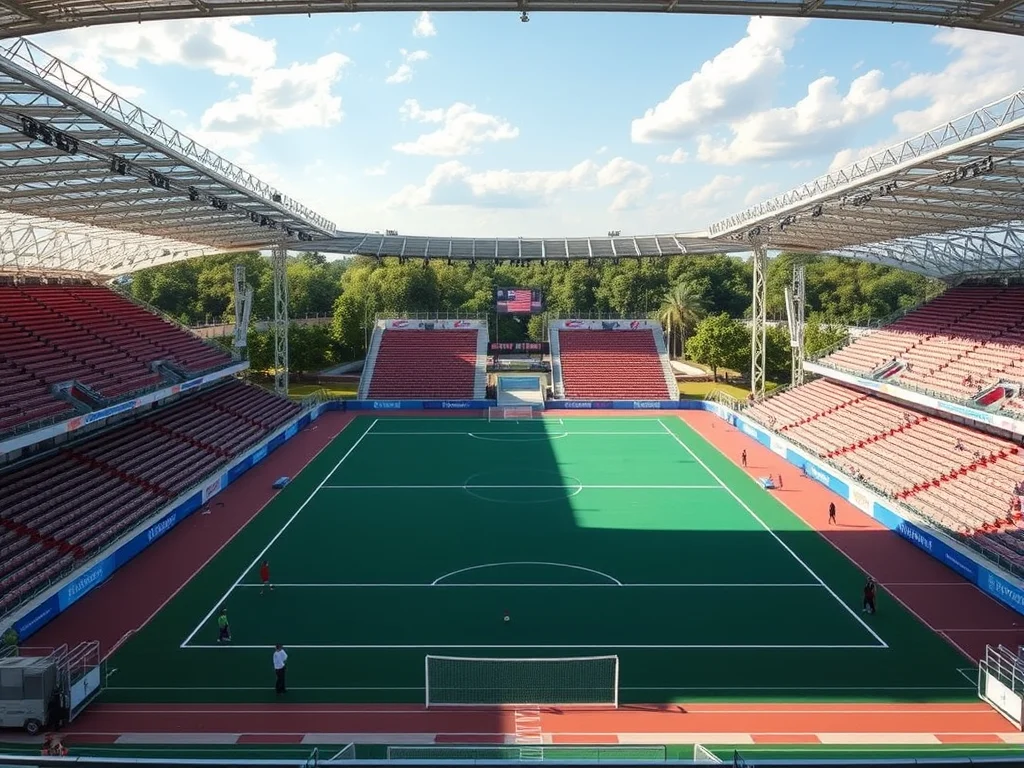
(601, 150)
(355, 27)
(405, 71)
(760, 193)
(984, 67)
(278, 100)
(218, 46)
(378, 170)
(720, 189)
(462, 129)
(738, 79)
(424, 26)
(454, 184)
(678, 157)
(818, 123)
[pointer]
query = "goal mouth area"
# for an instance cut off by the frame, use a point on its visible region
(490, 683)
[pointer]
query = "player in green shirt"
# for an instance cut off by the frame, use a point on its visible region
(223, 628)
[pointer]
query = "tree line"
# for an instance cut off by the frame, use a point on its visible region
(702, 300)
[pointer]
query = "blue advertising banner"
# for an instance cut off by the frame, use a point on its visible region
(36, 618)
(71, 593)
(131, 548)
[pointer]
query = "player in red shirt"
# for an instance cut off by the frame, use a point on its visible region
(869, 596)
(265, 577)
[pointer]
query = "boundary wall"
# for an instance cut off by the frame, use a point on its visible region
(987, 577)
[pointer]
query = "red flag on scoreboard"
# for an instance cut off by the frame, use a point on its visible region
(519, 302)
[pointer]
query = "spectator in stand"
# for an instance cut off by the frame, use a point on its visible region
(959, 444)
(968, 380)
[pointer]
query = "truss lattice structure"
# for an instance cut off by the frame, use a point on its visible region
(76, 158)
(28, 17)
(72, 150)
(962, 182)
(31, 245)
(523, 248)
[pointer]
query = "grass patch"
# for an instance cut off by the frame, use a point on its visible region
(698, 390)
(345, 390)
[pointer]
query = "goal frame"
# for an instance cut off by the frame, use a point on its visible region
(614, 704)
(511, 413)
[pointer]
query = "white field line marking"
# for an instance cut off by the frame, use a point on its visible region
(276, 536)
(602, 574)
(482, 646)
(112, 708)
(906, 606)
(518, 433)
(806, 567)
(509, 487)
(353, 585)
(201, 568)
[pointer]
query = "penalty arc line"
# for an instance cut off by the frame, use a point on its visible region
(774, 535)
(276, 536)
(545, 585)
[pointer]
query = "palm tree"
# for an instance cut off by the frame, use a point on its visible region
(681, 308)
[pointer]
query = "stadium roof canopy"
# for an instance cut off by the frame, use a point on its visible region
(72, 151)
(946, 202)
(28, 17)
(90, 183)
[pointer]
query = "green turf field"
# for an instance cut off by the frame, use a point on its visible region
(631, 536)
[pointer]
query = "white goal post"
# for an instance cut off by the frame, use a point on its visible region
(512, 413)
(577, 681)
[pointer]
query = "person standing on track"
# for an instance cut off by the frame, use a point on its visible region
(280, 664)
(869, 596)
(832, 513)
(265, 577)
(743, 458)
(223, 628)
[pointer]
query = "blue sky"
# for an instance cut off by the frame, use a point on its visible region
(572, 124)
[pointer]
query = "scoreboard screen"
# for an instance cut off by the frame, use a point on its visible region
(518, 301)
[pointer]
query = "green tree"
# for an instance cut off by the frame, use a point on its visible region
(820, 335)
(681, 309)
(719, 342)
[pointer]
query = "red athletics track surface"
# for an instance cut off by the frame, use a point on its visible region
(942, 600)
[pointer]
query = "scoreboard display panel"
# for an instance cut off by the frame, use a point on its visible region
(518, 301)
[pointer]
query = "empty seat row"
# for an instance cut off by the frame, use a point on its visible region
(63, 507)
(51, 335)
(611, 365)
(414, 364)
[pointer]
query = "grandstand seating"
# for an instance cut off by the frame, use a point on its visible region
(961, 478)
(74, 501)
(89, 335)
(418, 364)
(611, 365)
(959, 345)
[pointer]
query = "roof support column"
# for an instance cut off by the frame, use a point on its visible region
(759, 260)
(796, 302)
(279, 261)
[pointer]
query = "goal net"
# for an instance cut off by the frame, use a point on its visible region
(704, 756)
(586, 681)
(514, 413)
(576, 752)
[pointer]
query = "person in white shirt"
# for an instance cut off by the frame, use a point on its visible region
(280, 661)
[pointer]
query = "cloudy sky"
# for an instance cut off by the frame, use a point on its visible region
(477, 124)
